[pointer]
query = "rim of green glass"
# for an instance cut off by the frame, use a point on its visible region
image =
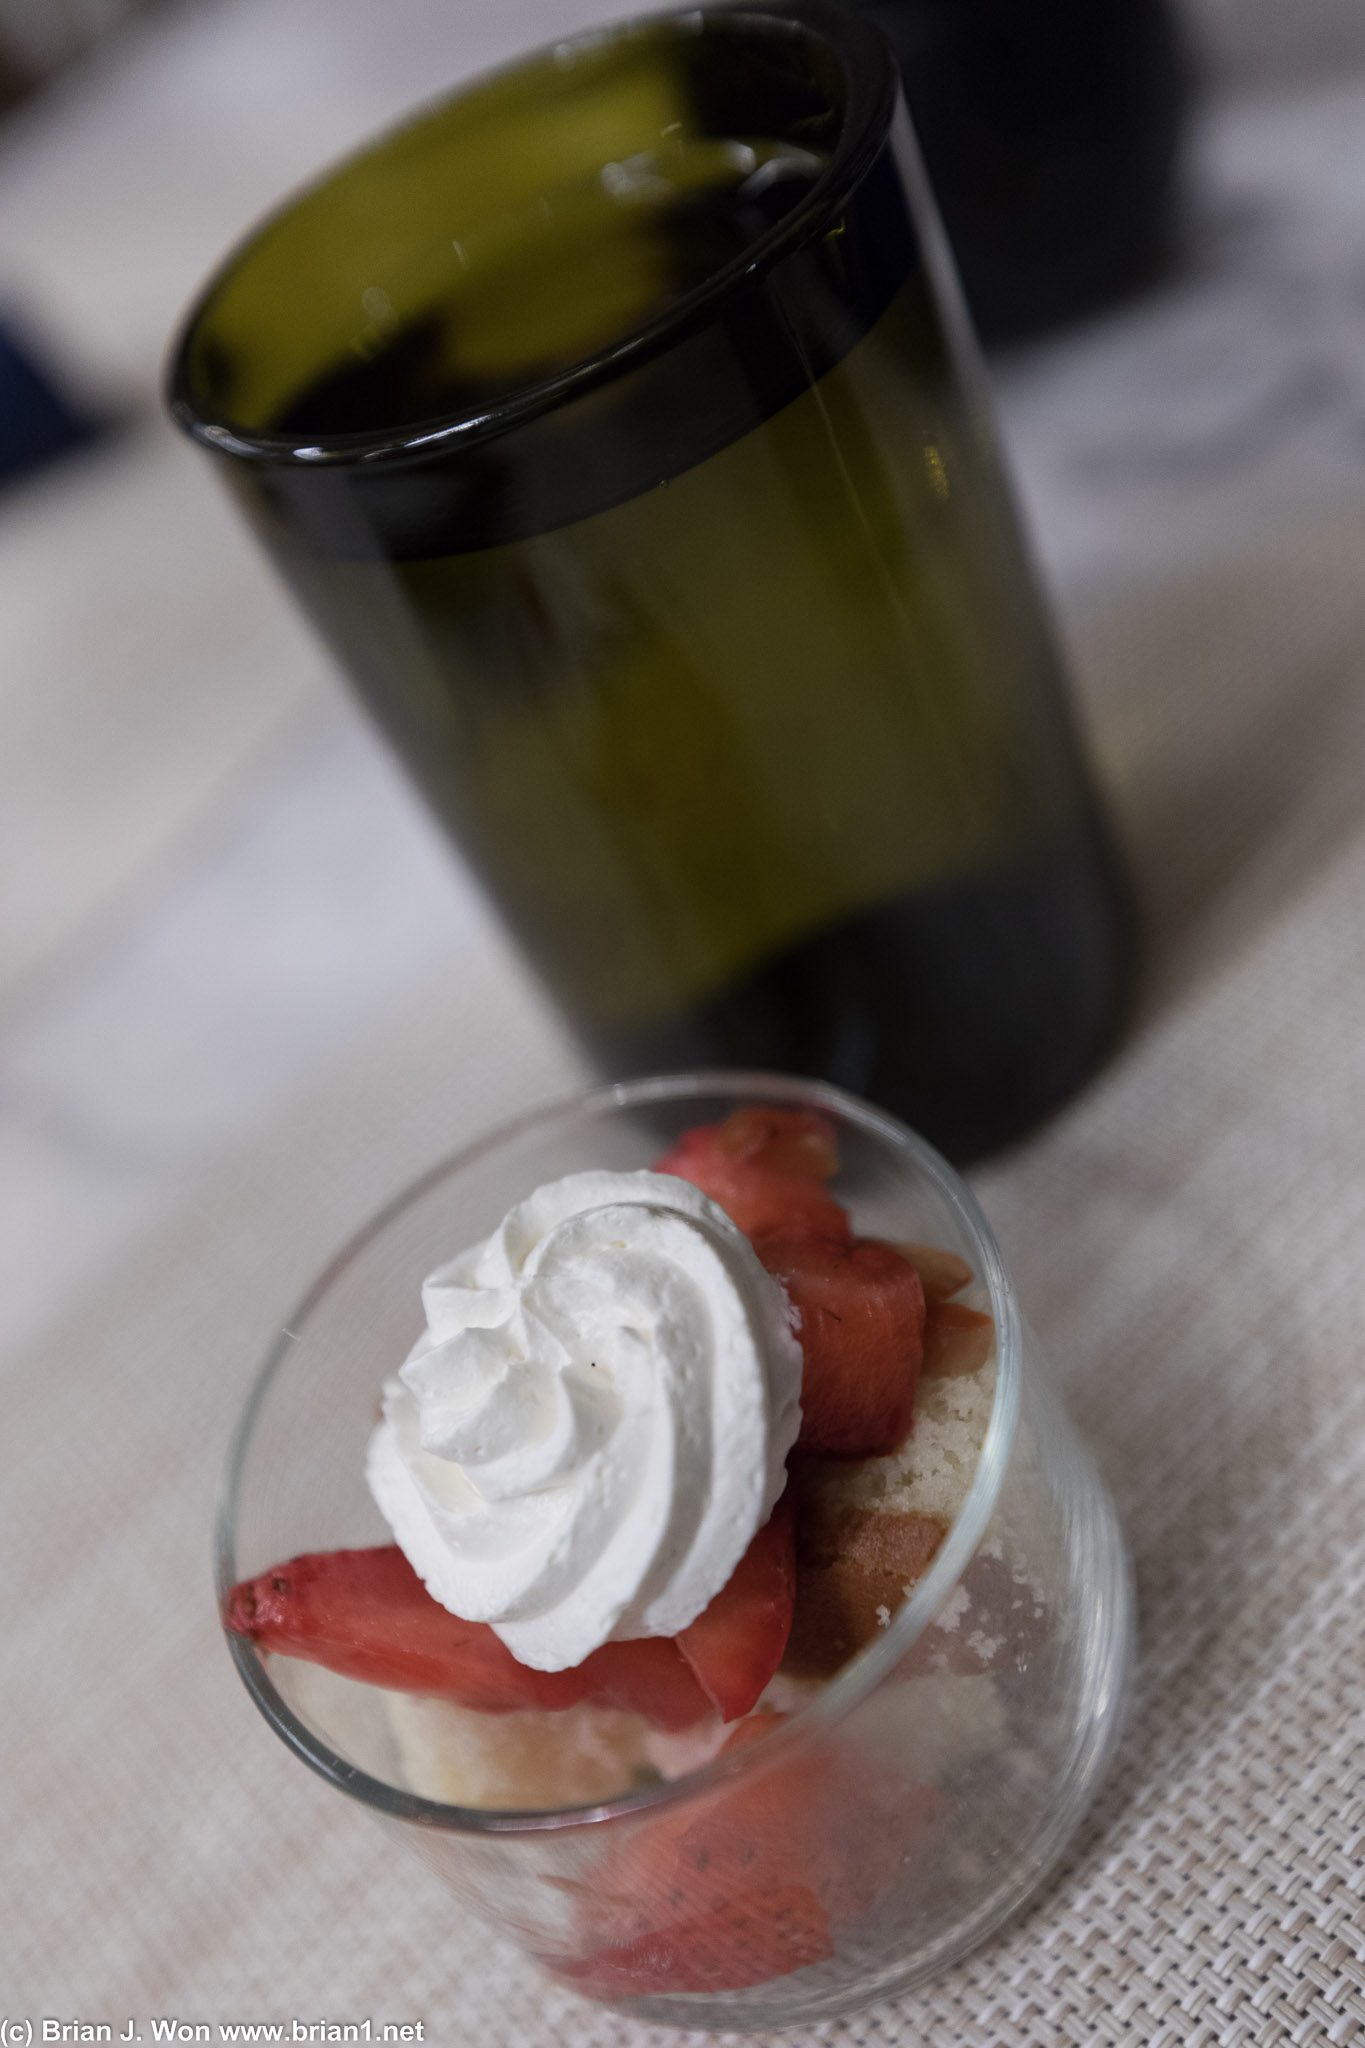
(872, 83)
(839, 1695)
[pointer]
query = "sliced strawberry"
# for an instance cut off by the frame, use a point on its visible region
(786, 1141)
(766, 1167)
(365, 1614)
(730, 1940)
(942, 1273)
(714, 1898)
(862, 1334)
(649, 1677)
(735, 1645)
(957, 1340)
(748, 1882)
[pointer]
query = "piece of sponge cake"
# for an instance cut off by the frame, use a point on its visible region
(868, 1529)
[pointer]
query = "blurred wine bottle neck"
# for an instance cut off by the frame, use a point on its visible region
(1051, 132)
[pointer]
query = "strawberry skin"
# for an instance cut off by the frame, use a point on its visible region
(714, 1900)
(365, 1614)
(861, 1302)
(735, 1645)
(773, 1927)
(957, 1340)
(765, 1167)
(862, 1339)
(749, 1882)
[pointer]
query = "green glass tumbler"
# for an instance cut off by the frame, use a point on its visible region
(617, 423)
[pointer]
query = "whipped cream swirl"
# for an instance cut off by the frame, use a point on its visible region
(596, 1420)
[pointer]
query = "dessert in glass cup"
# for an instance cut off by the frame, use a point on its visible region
(795, 1622)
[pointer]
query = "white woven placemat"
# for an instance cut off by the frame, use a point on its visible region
(1190, 1240)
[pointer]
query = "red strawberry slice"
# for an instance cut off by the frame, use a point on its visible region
(795, 1141)
(957, 1340)
(713, 1898)
(861, 1301)
(862, 1337)
(942, 1273)
(750, 1881)
(766, 1167)
(365, 1614)
(774, 1925)
(735, 1645)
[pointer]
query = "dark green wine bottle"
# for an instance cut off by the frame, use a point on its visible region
(616, 423)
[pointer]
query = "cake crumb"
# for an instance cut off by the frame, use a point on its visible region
(954, 1607)
(932, 1472)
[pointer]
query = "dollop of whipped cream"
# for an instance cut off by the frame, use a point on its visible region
(595, 1422)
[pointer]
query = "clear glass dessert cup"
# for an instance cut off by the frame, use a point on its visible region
(895, 1816)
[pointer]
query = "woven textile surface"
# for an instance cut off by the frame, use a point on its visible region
(1189, 1241)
